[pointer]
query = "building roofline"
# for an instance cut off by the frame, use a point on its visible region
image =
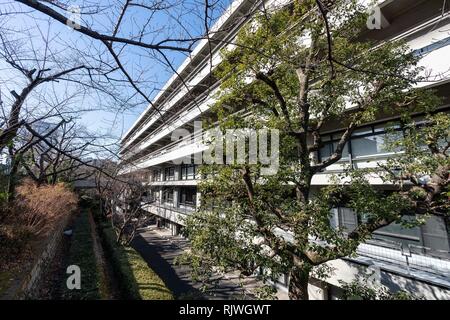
(226, 16)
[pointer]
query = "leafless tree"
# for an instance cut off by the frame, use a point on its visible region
(47, 80)
(44, 88)
(123, 201)
(133, 37)
(46, 164)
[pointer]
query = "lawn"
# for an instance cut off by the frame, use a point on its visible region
(137, 281)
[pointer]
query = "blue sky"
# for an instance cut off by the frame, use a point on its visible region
(183, 19)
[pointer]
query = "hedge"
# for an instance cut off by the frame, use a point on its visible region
(135, 279)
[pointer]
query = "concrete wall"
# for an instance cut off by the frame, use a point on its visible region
(48, 249)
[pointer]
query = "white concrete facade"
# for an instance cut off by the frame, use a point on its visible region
(417, 261)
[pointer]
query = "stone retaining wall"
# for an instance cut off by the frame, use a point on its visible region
(31, 281)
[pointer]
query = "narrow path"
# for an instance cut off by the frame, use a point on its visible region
(159, 249)
(52, 284)
(109, 290)
(175, 277)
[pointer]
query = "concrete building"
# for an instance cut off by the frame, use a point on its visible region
(415, 259)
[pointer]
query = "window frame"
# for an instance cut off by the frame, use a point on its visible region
(165, 198)
(374, 131)
(169, 174)
(156, 175)
(192, 192)
(184, 173)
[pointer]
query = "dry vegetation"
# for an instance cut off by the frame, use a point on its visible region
(41, 207)
(35, 211)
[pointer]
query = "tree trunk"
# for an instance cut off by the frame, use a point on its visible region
(298, 284)
(12, 181)
(12, 176)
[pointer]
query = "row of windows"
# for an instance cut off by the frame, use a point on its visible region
(370, 140)
(186, 196)
(366, 141)
(432, 235)
(187, 172)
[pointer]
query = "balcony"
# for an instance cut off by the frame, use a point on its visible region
(169, 211)
(410, 257)
(196, 68)
(191, 112)
(175, 150)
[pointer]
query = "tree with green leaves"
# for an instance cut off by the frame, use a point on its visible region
(297, 69)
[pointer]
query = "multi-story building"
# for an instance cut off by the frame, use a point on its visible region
(415, 259)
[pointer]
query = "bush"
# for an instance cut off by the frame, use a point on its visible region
(14, 239)
(40, 207)
(136, 280)
(362, 289)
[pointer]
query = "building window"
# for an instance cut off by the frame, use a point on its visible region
(156, 175)
(365, 141)
(188, 197)
(169, 174)
(154, 195)
(344, 218)
(329, 146)
(168, 196)
(188, 171)
(431, 238)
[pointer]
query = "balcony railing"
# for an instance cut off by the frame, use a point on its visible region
(168, 148)
(195, 136)
(187, 109)
(412, 257)
(181, 208)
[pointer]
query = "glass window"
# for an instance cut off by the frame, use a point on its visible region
(328, 149)
(436, 236)
(362, 131)
(344, 218)
(188, 197)
(387, 126)
(155, 195)
(397, 233)
(374, 144)
(169, 173)
(188, 172)
(156, 175)
(168, 196)
(370, 145)
(344, 151)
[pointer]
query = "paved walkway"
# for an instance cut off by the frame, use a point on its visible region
(159, 249)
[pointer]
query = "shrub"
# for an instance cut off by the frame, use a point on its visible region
(39, 207)
(13, 241)
(362, 289)
(135, 278)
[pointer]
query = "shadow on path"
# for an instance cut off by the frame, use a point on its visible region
(159, 253)
(160, 249)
